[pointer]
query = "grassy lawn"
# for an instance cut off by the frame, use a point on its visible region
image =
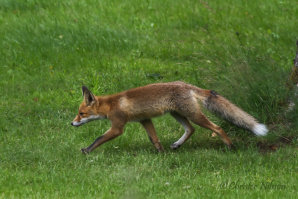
(242, 49)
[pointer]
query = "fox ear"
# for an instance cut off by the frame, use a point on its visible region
(88, 96)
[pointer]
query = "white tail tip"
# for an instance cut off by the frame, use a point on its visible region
(260, 130)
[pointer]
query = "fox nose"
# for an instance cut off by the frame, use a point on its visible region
(71, 123)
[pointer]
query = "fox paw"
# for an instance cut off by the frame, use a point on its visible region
(84, 151)
(232, 147)
(175, 146)
(160, 150)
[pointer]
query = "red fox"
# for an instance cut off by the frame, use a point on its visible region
(183, 101)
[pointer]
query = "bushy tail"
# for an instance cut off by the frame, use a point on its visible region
(224, 108)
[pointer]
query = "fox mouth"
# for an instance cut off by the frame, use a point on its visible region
(76, 124)
(86, 120)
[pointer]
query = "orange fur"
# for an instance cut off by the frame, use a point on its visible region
(184, 101)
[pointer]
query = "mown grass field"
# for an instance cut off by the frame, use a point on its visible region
(49, 49)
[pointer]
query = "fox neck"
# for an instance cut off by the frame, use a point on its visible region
(102, 106)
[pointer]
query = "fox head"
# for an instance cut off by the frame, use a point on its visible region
(89, 109)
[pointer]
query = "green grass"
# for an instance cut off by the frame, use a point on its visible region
(49, 49)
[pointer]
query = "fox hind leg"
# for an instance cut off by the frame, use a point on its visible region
(187, 127)
(201, 120)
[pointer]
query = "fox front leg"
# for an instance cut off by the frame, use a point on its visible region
(149, 127)
(113, 132)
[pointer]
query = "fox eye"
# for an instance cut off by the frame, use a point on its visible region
(81, 114)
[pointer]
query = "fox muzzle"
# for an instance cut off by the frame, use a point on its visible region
(88, 119)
